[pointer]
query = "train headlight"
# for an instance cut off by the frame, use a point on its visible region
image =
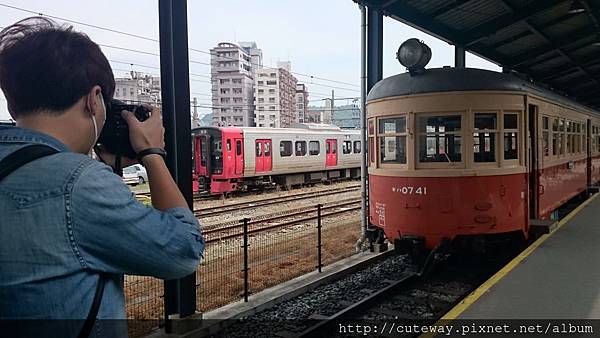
(414, 55)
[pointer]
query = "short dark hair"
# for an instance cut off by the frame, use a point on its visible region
(48, 67)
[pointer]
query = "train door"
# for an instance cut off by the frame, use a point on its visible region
(533, 164)
(267, 155)
(259, 159)
(330, 153)
(239, 157)
(264, 161)
(201, 144)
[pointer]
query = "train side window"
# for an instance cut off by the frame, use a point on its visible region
(569, 126)
(440, 138)
(371, 140)
(300, 148)
(347, 147)
(357, 147)
(258, 149)
(484, 137)
(545, 136)
(511, 146)
(238, 147)
(558, 128)
(392, 140)
(334, 147)
(314, 148)
(285, 148)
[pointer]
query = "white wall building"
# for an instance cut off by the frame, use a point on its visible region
(232, 76)
(138, 88)
(301, 102)
(275, 97)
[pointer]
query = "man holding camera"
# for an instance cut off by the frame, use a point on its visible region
(69, 227)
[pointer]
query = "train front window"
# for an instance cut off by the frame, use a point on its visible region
(440, 139)
(484, 137)
(392, 140)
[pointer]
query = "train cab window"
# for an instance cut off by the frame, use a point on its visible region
(545, 136)
(484, 137)
(347, 147)
(510, 126)
(238, 147)
(357, 147)
(300, 148)
(392, 140)
(440, 138)
(285, 148)
(314, 148)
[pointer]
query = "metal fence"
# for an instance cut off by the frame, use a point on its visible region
(247, 259)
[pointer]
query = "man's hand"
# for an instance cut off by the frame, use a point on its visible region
(147, 134)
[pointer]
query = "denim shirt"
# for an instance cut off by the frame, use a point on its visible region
(66, 217)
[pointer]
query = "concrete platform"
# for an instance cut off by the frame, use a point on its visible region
(557, 277)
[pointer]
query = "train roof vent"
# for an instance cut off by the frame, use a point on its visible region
(315, 126)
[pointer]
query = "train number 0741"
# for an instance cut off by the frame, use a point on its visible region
(410, 190)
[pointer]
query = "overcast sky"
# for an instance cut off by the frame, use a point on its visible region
(320, 38)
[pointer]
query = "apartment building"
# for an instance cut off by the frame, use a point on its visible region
(275, 96)
(233, 68)
(301, 102)
(138, 88)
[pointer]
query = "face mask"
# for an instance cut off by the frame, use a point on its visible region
(96, 125)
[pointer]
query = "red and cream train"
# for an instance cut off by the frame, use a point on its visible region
(235, 159)
(466, 152)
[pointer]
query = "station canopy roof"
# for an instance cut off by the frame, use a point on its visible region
(553, 42)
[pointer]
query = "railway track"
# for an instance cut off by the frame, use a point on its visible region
(211, 211)
(232, 229)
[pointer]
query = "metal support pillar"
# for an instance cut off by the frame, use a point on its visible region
(371, 73)
(319, 244)
(459, 57)
(180, 294)
(245, 248)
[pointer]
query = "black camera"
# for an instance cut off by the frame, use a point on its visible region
(115, 133)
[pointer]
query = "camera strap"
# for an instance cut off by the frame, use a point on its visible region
(18, 159)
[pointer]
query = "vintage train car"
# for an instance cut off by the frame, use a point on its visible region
(230, 159)
(459, 152)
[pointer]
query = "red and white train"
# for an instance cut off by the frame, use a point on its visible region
(459, 152)
(230, 159)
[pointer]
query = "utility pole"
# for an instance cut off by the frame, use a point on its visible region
(332, 106)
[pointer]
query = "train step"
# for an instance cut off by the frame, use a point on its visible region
(540, 227)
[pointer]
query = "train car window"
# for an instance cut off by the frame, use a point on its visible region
(392, 140)
(484, 137)
(545, 136)
(347, 147)
(334, 147)
(285, 148)
(357, 145)
(228, 145)
(511, 146)
(557, 137)
(314, 148)
(570, 137)
(258, 149)
(267, 148)
(327, 147)
(371, 140)
(300, 148)
(440, 138)
(238, 147)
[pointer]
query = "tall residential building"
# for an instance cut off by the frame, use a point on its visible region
(275, 97)
(320, 114)
(232, 76)
(301, 102)
(138, 88)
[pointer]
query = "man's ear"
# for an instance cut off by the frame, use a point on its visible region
(92, 101)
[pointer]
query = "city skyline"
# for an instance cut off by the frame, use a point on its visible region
(323, 42)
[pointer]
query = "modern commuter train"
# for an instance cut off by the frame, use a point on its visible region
(228, 159)
(459, 152)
